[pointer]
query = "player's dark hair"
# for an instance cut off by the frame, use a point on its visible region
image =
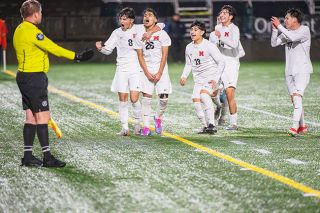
(293, 12)
(128, 12)
(29, 7)
(200, 25)
(231, 11)
(150, 10)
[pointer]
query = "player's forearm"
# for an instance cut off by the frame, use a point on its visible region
(162, 64)
(142, 63)
(291, 36)
(105, 50)
(275, 41)
(221, 66)
(231, 42)
(186, 71)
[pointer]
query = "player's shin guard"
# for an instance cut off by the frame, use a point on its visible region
(297, 104)
(137, 112)
(162, 105)
(123, 112)
(146, 111)
(29, 133)
(208, 107)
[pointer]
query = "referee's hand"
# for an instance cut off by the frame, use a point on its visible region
(84, 55)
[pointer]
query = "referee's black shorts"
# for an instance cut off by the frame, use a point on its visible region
(34, 90)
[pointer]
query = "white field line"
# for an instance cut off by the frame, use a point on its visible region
(295, 161)
(260, 111)
(238, 142)
(263, 151)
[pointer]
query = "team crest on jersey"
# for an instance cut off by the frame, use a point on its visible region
(134, 35)
(40, 36)
(201, 53)
(156, 38)
(226, 34)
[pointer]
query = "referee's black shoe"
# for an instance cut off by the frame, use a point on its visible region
(53, 162)
(31, 161)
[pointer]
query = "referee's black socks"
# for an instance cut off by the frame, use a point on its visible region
(43, 136)
(29, 132)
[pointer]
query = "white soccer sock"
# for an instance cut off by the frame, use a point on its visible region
(301, 122)
(146, 111)
(162, 105)
(137, 111)
(233, 119)
(200, 113)
(123, 111)
(297, 111)
(208, 107)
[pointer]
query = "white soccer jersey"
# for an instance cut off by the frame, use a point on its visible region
(127, 59)
(229, 41)
(297, 43)
(152, 49)
(204, 60)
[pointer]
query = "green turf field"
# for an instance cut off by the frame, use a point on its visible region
(108, 173)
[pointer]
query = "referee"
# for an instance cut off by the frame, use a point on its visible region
(32, 48)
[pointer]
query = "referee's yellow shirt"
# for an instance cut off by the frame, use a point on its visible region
(32, 48)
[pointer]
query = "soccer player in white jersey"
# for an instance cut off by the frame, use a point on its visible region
(127, 77)
(297, 41)
(205, 61)
(227, 37)
(152, 55)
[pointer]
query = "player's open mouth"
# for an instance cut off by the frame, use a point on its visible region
(146, 21)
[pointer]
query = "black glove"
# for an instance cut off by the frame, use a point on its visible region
(84, 55)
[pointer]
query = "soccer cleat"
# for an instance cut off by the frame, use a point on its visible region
(52, 124)
(293, 132)
(302, 130)
(146, 131)
(123, 132)
(157, 125)
(232, 127)
(211, 129)
(203, 130)
(32, 162)
(137, 129)
(53, 162)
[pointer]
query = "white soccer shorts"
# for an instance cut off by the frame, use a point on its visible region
(126, 81)
(230, 74)
(297, 83)
(163, 86)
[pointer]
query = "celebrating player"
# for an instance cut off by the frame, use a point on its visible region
(127, 77)
(152, 55)
(297, 41)
(206, 63)
(227, 37)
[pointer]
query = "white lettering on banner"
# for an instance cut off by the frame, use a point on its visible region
(263, 26)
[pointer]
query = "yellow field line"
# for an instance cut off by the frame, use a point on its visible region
(241, 163)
